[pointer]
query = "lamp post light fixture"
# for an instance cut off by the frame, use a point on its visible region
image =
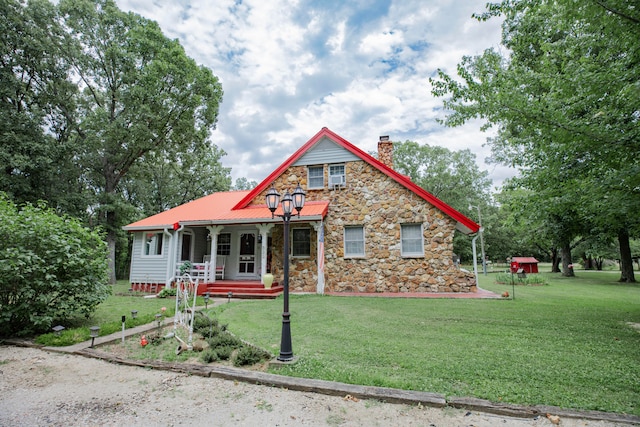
(229, 296)
(159, 320)
(134, 314)
(289, 203)
(206, 300)
(57, 330)
(481, 232)
(94, 331)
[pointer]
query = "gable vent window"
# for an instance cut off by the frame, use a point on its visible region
(316, 177)
(336, 176)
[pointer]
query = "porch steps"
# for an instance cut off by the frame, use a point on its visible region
(240, 289)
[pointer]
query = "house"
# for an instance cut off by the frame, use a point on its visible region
(364, 228)
(526, 264)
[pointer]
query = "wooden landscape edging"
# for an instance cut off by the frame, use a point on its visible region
(362, 392)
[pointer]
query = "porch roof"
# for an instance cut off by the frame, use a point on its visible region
(217, 208)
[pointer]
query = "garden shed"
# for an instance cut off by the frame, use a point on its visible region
(527, 264)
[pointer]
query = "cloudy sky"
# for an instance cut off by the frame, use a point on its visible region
(359, 67)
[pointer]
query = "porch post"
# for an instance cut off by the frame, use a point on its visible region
(264, 230)
(214, 230)
(319, 227)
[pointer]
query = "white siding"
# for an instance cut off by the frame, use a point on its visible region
(325, 151)
(148, 269)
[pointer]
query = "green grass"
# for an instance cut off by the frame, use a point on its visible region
(565, 344)
(109, 316)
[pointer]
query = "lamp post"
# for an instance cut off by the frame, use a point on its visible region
(289, 202)
(481, 232)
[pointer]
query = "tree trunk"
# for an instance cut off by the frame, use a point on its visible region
(555, 261)
(567, 265)
(111, 244)
(626, 262)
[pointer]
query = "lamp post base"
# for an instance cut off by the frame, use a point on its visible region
(286, 349)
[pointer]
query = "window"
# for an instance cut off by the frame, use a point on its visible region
(153, 244)
(336, 175)
(412, 241)
(354, 241)
(301, 242)
(224, 244)
(316, 177)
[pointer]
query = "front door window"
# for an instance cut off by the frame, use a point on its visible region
(247, 261)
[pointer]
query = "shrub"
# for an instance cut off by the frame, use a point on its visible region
(531, 279)
(206, 326)
(167, 292)
(224, 352)
(249, 355)
(224, 340)
(52, 268)
(209, 356)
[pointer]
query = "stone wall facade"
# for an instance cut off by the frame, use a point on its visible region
(378, 203)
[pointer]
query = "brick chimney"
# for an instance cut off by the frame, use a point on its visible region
(385, 151)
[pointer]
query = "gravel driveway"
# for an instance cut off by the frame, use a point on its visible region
(41, 388)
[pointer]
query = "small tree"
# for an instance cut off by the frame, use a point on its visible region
(51, 268)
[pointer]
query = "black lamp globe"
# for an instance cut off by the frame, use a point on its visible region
(298, 198)
(273, 199)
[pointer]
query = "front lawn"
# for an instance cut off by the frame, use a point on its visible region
(566, 344)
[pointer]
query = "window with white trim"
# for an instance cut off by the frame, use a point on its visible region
(224, 244)
(315, 177)
(152, 244)
(336, 175)
(301, 242)
(412, 241)
(354, 241)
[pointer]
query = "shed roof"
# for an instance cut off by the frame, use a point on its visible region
(524, 260)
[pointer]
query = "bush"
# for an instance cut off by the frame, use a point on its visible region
(224, 340)
(167, 292)
(52, 269)
(531, 279)
(209, 356)
(206, 326)
(224, 352)
(249, 355)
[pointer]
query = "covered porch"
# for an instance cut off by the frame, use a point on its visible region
(238, 251)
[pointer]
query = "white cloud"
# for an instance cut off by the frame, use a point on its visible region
(288, 68)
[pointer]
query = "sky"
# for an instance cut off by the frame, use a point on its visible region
(359, 67)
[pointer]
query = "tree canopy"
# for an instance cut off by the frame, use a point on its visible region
(102, 115)
(565, 99)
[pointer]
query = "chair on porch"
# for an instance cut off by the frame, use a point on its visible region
(220, 267)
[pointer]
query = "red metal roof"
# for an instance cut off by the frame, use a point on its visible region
(524, 260)
(216, 208)
(466, 225)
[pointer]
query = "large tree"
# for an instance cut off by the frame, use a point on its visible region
(565, 99)
(35, 101)
(141, 96)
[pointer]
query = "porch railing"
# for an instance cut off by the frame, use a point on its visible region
(202, 271)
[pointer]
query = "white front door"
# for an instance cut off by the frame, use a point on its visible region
(247, 254)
